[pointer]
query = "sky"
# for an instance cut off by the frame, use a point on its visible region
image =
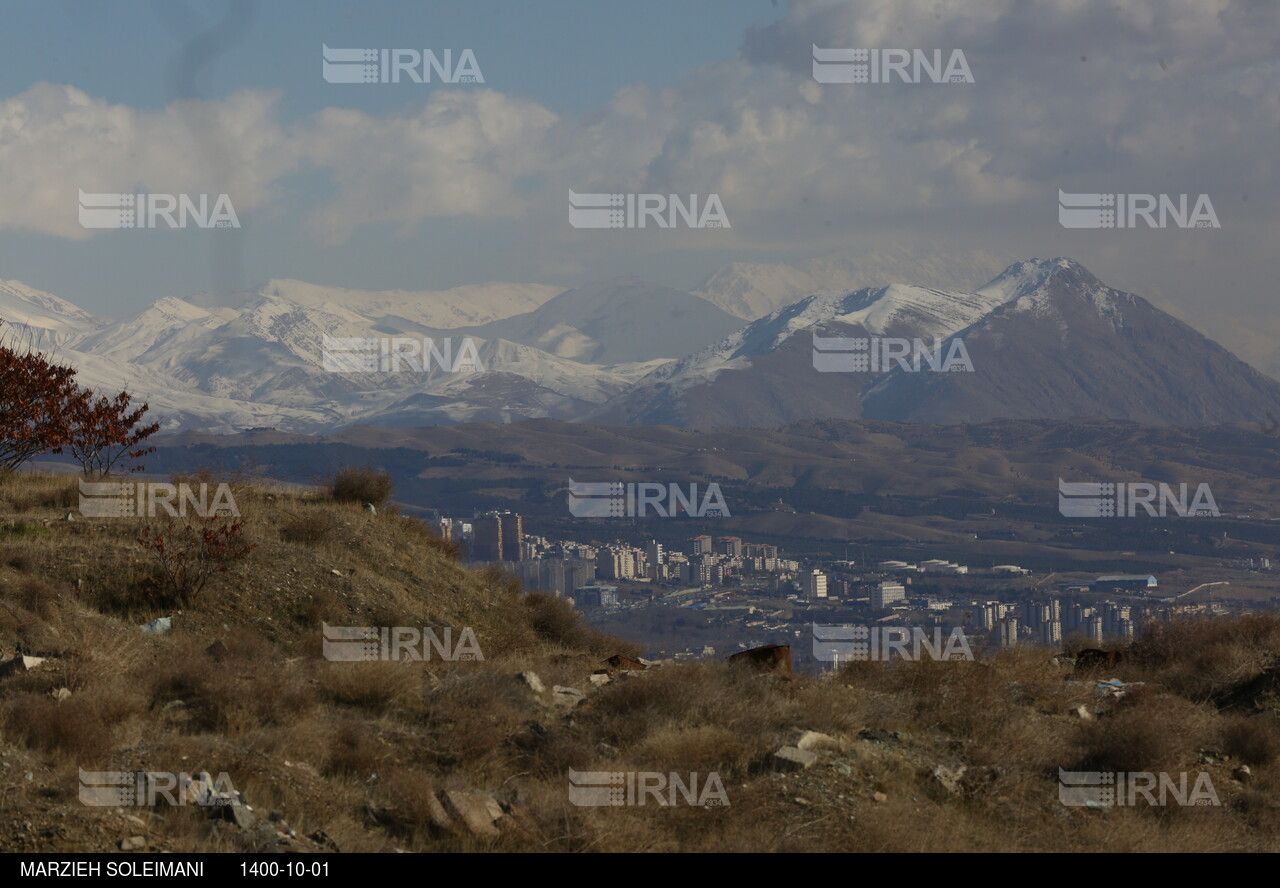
(431, 185)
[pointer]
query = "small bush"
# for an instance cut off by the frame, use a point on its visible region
(188, 555)
(313, 529)
(1256, 740)
(555, 620)
(50, 726)
(362, 486)
(19, 562)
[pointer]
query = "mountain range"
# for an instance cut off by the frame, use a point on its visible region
(1044, 339)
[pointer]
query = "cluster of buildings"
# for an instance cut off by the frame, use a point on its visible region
(1048, 623)
(750, 586)
(563, 566)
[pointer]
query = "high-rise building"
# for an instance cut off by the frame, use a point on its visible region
(595, 596)
(813, 584)
(700, 545)
(1050, 632)
(653, 551)
(730, 546)
(617, 562)
(1009, 632)
(512, 536)
(887, 593)
(1095, 629)
(486, 540)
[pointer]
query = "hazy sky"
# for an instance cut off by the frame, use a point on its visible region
(426, 186)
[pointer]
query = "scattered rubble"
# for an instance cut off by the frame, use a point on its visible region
(1243, 774)
(477, 811)
(949, 778)
(563, 696)
(811, 740)
(60, 694)
(134, 843)
(790, 758)
(533, 681)
(1082, 712)
(20, 663)
(158, 626)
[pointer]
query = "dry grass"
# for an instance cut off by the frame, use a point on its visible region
(359, 750)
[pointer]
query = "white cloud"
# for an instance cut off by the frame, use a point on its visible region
(56, 140)
(1173, 95)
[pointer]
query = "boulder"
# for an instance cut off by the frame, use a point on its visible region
(533, 681)
(791, 758)
(568, 697)
(949, 778)
(479, 812)
(811, 740)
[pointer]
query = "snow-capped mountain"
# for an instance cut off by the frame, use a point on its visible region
(1045, 339)
(258, 358)
(763, 374)
(44, 320)
(1062, 344)
(618, 321)
(751, 290)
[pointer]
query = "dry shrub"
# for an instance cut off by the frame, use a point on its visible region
(470, 712)
(1199, 658)
(354, 751)
(361, 486)
(1148, 731)
(324, 606)
(64, 496)
(555, 620)
(422, 534)
(38, 597)
(312, 529)
(697, 748)
(19, 561)
(753, 710)
(409, 798)
(375, 688)
(1254, 740)
(247, 690)
(68, 728)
